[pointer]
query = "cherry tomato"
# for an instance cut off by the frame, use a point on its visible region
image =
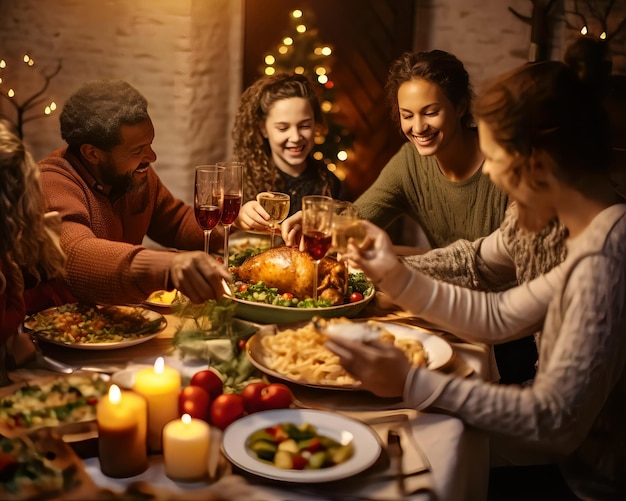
(194, 401)
(243, 287)
(209, 381)
(287, 295)
(225, 409)
(241, 344)
(220, 259)
(252, 396)
(276, 396)
(355, 297)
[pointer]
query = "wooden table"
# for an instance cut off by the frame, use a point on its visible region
(457, 456)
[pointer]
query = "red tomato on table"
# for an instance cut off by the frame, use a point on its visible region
(194, 401)
(225, 409)
(209, 381)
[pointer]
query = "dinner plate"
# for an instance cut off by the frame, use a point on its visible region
(30, 324)
(367, 446)
(241, 241)
(270, 314)
(439, 354)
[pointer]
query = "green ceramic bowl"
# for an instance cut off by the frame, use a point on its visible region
(270, 314)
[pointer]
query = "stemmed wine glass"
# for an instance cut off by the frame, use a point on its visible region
(208, 199)
(317, 218)
(276, 204)
(233, 187)
(345, 226)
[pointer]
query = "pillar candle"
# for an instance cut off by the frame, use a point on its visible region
(122, 422)
(186, 449)
(160, 386)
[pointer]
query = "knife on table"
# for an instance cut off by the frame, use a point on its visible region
(395, 452)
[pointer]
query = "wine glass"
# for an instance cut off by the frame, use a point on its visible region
(276, 204)
(208, 199)
(317, 218)
(345, 226)
(233, 187)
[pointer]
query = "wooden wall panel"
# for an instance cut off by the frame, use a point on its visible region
(367, 35)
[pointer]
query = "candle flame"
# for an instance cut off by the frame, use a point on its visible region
(186, 418)
(115, 394)
(159, 365)
(583, 31)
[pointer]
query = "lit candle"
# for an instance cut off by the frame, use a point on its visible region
(122, 420)
(186, 449)
(160, 386)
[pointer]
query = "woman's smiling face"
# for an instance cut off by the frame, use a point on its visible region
(427, 117)
(290, 131)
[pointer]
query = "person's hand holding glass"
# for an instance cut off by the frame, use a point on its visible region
(233, 187)
(208, 199)
(317, 217)
(345, 226)
(276, 205)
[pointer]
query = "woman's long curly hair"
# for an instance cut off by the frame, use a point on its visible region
(26, 243)
(250, 147)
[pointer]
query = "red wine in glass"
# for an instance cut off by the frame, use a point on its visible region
(208, 216)
(317, 244)
(232, 204)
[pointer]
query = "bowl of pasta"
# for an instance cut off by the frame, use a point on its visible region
(299, 355)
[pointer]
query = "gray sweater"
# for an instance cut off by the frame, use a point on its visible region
(574, 411)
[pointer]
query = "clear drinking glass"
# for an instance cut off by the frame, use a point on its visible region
(345, 226)
(317, 218)
(233, 188)
(208, 199)
(276, 204)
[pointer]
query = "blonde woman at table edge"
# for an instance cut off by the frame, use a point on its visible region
(31, 260)
(546, 142)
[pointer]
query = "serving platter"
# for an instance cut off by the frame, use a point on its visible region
(45, 326)
(65, 403)
(439, 354)
(270, 314)
(367, 447)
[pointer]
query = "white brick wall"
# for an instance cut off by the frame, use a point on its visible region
(185, 57)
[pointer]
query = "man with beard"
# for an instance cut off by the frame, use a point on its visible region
(110, 198)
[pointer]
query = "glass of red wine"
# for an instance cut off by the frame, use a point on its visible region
(233, 187)
(317, 218)
(208, 199)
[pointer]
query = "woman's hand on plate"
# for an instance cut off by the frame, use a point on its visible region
(381, 367)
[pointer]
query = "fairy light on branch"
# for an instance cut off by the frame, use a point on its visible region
(26, 106)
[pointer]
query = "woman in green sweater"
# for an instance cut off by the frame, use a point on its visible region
(436, 178)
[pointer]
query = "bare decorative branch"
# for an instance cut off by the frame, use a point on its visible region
(32, 101)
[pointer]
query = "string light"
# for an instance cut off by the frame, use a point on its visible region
(27, 103)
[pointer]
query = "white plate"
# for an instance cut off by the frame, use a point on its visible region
(30, 324)
(240, 241)
(367, 447)
(439, 354)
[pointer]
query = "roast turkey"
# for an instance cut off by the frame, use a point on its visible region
(291, 270)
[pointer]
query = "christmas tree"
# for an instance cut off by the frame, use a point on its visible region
(300, 51)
